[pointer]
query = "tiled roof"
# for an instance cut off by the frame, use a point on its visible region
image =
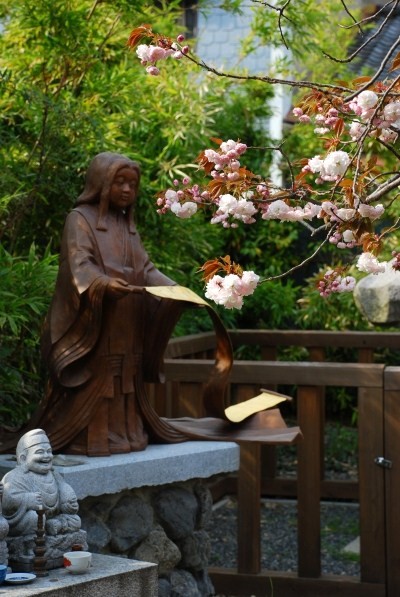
(373, 53)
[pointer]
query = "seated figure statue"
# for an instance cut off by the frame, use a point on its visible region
(33, 485)
(3, 532)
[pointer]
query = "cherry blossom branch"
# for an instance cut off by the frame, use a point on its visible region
(385, 188)
(272, 80)
(298, 265)
(345, 186)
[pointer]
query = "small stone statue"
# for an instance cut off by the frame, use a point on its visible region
(32, 486)
(3, 532)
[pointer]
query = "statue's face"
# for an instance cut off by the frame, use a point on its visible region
(39, 458)
(124, 188)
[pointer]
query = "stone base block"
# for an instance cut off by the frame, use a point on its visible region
(109, 575)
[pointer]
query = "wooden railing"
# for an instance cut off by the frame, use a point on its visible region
(187, 365)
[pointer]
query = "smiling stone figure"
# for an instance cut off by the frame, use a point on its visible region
(33, 485)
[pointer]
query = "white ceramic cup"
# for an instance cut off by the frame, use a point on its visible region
(77, 562)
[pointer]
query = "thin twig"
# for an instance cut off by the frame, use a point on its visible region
(299, 265)
(351, 16)
(371, 38)
(280, 10)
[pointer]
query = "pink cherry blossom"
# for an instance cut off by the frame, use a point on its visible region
(279, 210)
(153, 71)
(315, 164)
(345, 213)
(367, 99)
(336, 163)
(367, 262)
(392, 111)
(249, 282)
(150, 53)
(370, 211)
(171, 195)
(388, 136)
(348, 236)
(356, 130)
(184, 210)
(212, 156)
(346, 284)
(321, 130)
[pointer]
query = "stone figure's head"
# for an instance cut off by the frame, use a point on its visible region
(34, 452)
(112, 181)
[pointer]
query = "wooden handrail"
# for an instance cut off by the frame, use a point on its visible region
(280, 372)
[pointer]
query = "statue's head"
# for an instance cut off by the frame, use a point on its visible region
(34, 452)
(103, 175)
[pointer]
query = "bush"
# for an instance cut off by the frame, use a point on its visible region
(26, 286)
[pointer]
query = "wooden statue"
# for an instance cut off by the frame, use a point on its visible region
(106, 332)
(103, 330)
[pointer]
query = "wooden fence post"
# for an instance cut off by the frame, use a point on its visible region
(392, 478)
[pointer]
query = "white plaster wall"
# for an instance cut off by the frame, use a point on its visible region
(219, 34)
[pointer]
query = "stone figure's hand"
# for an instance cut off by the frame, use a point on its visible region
(36, 501)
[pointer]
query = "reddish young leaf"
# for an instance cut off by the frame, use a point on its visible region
(396, 63)
(209, 269)
(359, 81)
(138, 34)
(216, 140)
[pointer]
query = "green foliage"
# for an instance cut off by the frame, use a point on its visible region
(273, 306)
(70, 88)
(336, 312)
(26, 285)
(303, 31)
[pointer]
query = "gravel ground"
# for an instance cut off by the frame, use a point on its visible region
(339, 521)
(339, 526)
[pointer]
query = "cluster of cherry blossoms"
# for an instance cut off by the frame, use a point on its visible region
(333, 281)
(384, 121)
(367, 114)
(250, 196)
(162, 48)
(341, 200)
(230, 290)
(330, 169)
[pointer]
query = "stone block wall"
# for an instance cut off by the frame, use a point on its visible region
(162, 524)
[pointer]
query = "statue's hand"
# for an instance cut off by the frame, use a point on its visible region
(117, 288)
(36, 501)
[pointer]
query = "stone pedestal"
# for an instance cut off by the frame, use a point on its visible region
(109, 576)
(151, 506)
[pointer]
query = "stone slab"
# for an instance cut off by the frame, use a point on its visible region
(159, 464)
(109, 576)
(353, 547)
